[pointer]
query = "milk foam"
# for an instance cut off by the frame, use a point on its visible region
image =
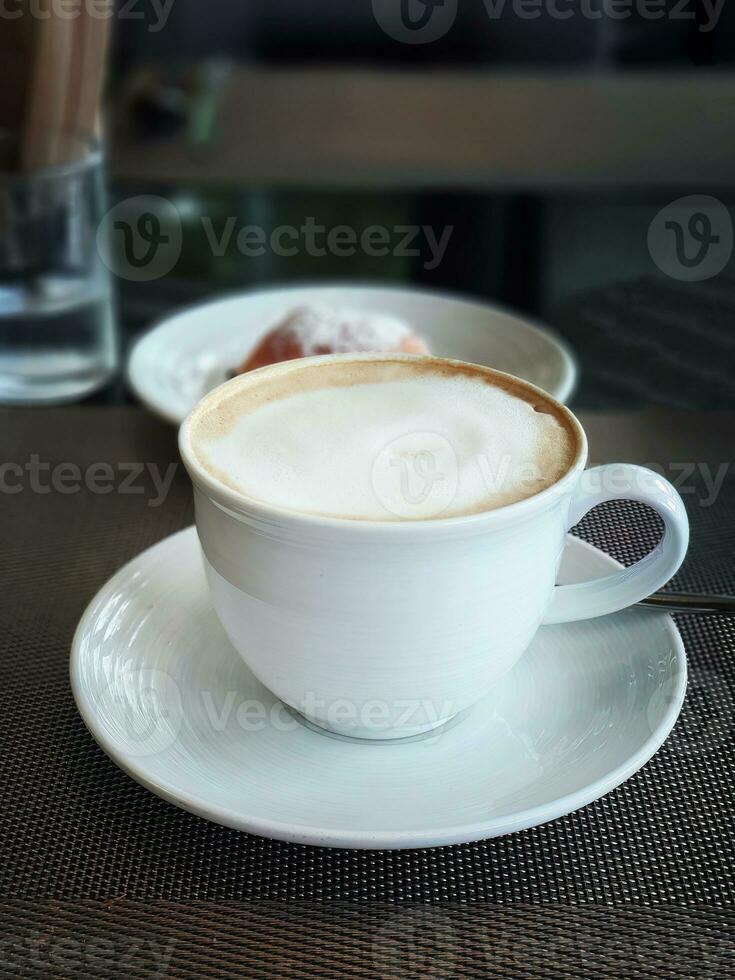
(418, 446)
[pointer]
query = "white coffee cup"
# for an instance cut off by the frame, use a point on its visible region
(385, 629)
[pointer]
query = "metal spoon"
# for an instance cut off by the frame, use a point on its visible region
(691, 602)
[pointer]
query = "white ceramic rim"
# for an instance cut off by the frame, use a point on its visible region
(135, 372)
(242, 506)
(301, 834)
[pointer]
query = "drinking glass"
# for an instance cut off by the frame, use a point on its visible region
(57, 332)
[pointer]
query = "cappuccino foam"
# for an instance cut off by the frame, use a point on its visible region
(393, 439)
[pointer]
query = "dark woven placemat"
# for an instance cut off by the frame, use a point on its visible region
(654, 340)
(95, 868)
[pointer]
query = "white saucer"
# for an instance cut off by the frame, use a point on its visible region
(186, 355)
(163, 692)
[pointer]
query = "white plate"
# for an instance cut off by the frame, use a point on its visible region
(186, 355)
(169, 700)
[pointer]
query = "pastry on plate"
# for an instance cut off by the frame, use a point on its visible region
(309, 330)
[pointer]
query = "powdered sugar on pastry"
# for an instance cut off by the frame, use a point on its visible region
(311, 330)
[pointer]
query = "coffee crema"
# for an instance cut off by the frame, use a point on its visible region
(383, 438)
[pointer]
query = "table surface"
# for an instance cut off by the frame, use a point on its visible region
(101, 877)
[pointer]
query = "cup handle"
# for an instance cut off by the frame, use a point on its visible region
(598, 597)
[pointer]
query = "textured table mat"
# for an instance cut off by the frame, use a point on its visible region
(99, 877)
(654, 340)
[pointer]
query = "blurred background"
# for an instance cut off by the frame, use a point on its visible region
(545, 139)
